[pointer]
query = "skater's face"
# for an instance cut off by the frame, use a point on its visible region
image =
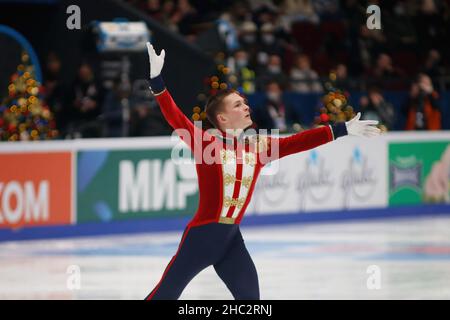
(235, 113)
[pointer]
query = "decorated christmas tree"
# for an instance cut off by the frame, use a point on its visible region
(335, 107)
(24, 114)
(212, 85)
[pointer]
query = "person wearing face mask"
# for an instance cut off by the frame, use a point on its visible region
(375, 107)
(268, 44)
(267, 36)
(272, 72)
(248, 41)
(303, 78)
(241, 69)
(247, 34)
(275, 113)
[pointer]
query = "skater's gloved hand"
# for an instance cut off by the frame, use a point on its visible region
(362, 128)
(156, 62)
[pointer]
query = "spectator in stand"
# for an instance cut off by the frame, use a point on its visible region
(268, 44)
(228, 32)
(265, 14)
(86, 102)
(385, 74)
(342, 81)
(399, 22)
(168, 15)
(241, 71)
(55, 92)
(327, 10)
(259, 4)
(273, 72)
(115, 110)
(371, 44)
(185, 17)
(247, 34)
(153, 9)
(422, 109)
(230, 23)
(374, 107)
(248, 40)
(275, 113)
(299, 10)
(303, 78)
(178, 16)
(430, 26)
(146, 120)
(432, 66)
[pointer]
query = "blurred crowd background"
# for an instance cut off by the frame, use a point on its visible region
(299, 62)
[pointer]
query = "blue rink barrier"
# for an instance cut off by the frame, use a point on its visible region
(178, 224)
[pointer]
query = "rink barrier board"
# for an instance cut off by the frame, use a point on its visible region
(178, 224)
(274, 215)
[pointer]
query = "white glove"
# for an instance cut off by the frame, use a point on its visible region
(364, 128)
(156, 62)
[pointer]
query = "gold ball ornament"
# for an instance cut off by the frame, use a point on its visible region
(220, 55)
(201, 97)
(34, 133)
(22, 127)
(340, 117)
(25, 57)
(24, 136)
(22, 101)
(333, 76)
(196, 109)
(34, 91)
(46, 114)
(337, 102)
(297, 127)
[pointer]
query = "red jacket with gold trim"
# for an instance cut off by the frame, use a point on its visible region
(228, 166)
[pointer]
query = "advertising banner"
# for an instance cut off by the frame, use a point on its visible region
(347, 173)
(419, 172)
(35, 189)
(133, 184)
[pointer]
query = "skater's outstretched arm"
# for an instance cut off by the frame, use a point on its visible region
(174, 116)
(313, 138)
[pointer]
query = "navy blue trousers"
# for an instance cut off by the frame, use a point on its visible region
(220, 245)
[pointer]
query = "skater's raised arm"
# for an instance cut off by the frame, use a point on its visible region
(313, 138)
(174, 116)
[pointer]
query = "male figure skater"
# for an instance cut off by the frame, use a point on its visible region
(228, 164)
